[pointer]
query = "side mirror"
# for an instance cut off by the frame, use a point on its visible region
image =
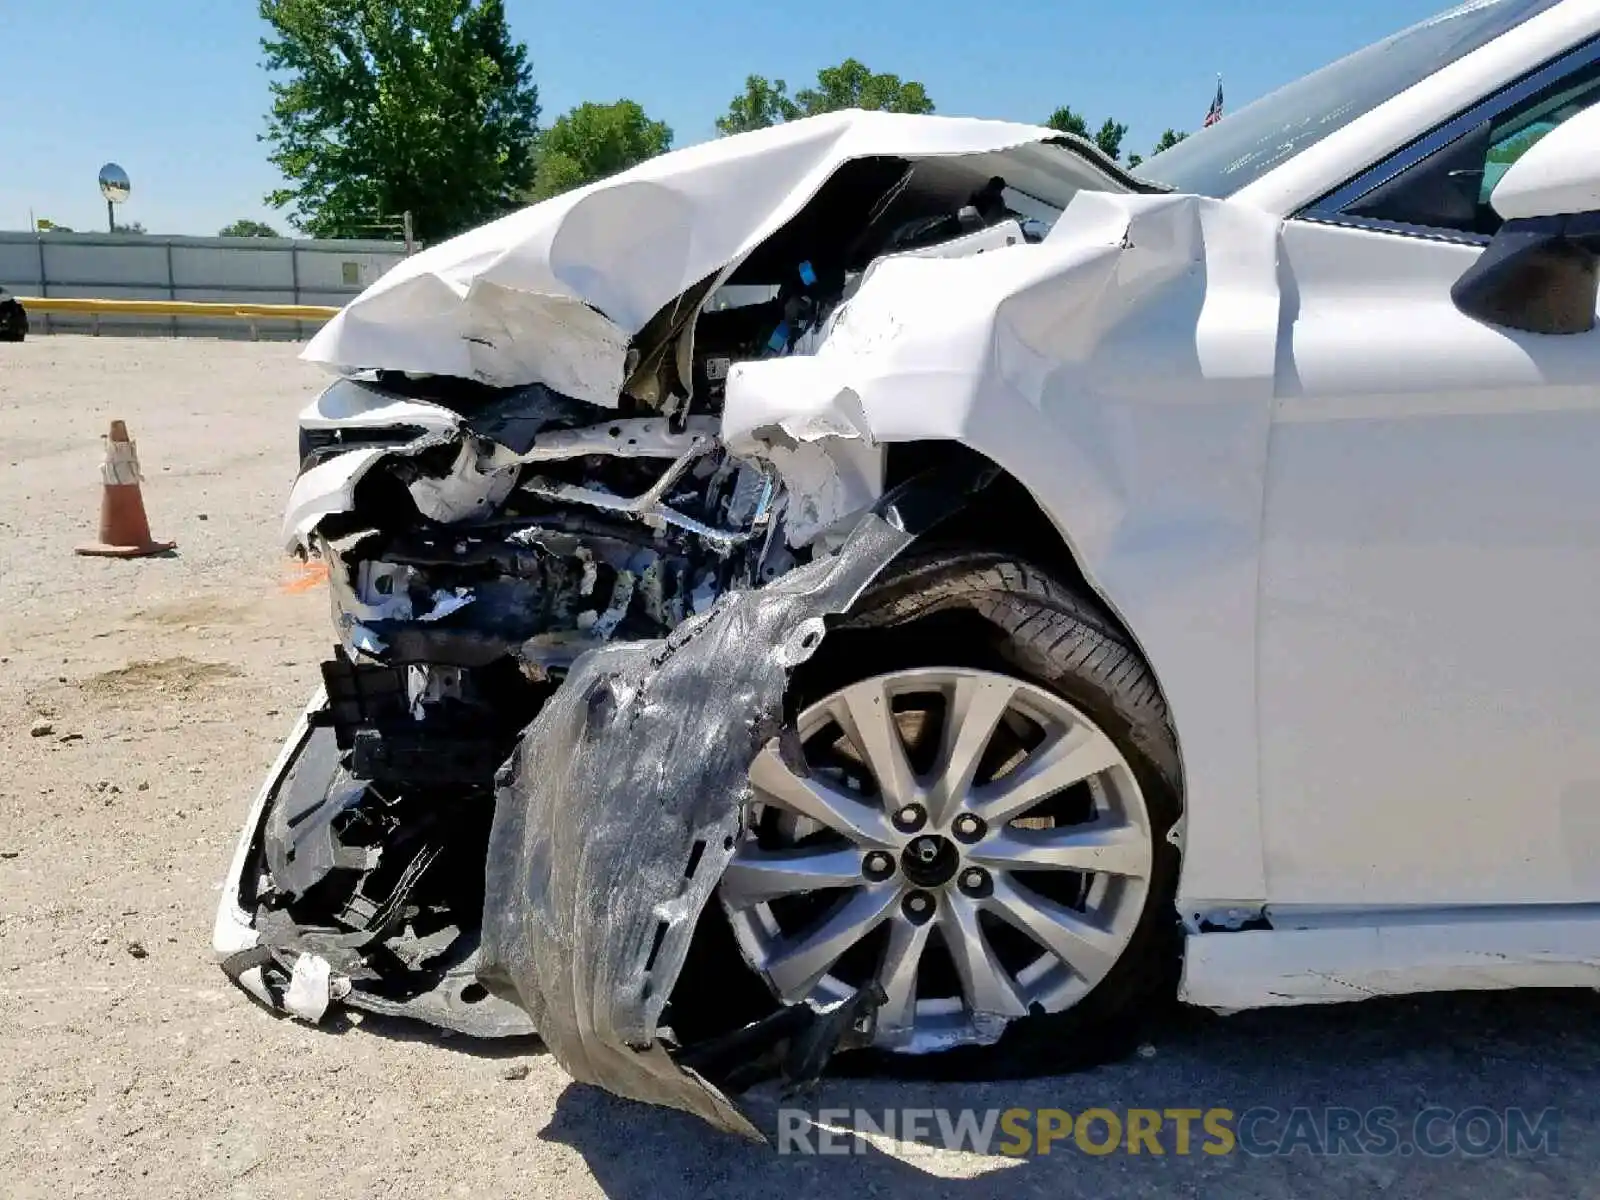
(1559, 174)
(1541, 273)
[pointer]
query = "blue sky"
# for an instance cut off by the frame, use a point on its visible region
(174, 90)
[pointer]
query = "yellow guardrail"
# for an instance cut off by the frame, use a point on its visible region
(175, 308)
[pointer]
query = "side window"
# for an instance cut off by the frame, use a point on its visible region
(1450, 189)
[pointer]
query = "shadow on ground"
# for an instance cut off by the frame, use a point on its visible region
(1531, 1051)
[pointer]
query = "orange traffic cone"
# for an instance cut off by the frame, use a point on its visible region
(124, 529)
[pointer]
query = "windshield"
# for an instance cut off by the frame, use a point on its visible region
(1239, 149)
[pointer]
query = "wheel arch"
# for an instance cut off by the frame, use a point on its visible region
(1006, 517)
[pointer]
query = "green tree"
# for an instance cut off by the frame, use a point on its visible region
(1169, 139)
(248, 228)
(384, 106)
(593, 141)
(761, 105)
(851, 84)
(1066, 120)
(1108, 137)
(130, 227)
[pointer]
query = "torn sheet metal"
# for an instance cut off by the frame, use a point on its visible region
(619, 811)
(1124, 369)
(632, 437)
(826, 478)
(483, 473)
(467, 493)
(354, 404)
(553, 293)
(326, 489)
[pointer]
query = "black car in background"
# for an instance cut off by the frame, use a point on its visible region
(13, 318)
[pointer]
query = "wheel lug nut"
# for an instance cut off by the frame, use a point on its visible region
(877, 866)
(969, 827)
(975, 882)
(910, 818)
(918, 907)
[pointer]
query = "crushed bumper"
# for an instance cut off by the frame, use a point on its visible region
(613, 822)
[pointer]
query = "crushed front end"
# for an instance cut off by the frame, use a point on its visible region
(533, 530)
(477, 542)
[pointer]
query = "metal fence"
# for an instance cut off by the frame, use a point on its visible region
(110, 266)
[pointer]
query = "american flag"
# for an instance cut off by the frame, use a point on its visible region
(1214, 114)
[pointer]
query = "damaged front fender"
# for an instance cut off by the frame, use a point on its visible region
(1124, 370)
(620, 809)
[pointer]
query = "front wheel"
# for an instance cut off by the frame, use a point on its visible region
(977, 816)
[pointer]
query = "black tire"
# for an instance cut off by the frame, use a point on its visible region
(13, 321)
(991, 611)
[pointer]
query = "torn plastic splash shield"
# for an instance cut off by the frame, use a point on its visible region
(617, 814)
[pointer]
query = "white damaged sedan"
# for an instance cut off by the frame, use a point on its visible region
(907, 579)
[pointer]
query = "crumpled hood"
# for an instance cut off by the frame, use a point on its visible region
(552, 294)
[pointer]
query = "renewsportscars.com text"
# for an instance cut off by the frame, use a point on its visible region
(1260, 1131)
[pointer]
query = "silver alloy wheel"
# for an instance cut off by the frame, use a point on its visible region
(973, 842)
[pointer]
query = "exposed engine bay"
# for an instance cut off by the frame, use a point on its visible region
(480, 538)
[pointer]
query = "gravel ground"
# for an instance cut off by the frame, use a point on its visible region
(143, 701)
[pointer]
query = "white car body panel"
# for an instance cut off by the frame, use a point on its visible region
(1369, 337)
(1360, 956)
(1123, 370)
(520, 300)
(1430, 565)
(1355, 532)
(329, 487)
(233, 930)
(325, 489)
(347, 405)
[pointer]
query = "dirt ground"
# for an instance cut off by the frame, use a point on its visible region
(142, 702)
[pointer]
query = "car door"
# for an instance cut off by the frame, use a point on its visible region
(1429, 683)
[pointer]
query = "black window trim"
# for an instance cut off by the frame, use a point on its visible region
(1329, 209)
